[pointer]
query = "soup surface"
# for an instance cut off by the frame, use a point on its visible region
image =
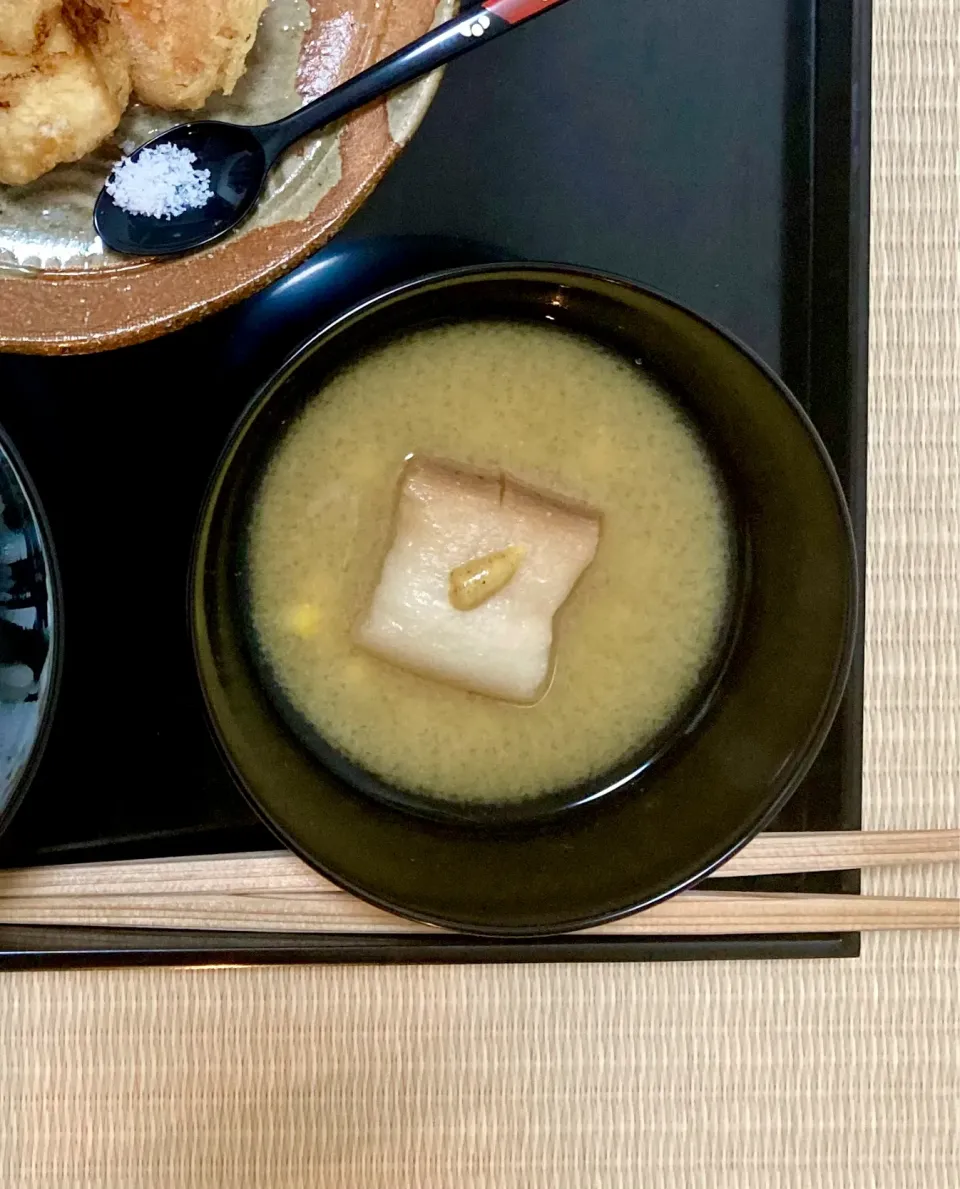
(632, 642)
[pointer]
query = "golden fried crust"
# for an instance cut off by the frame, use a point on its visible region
(182, 51)
(59, 102)
(25, 25)
(95, 28)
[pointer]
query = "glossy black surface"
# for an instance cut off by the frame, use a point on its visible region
(31, 631)
(31, 947)
(713, 788)
(742, 190)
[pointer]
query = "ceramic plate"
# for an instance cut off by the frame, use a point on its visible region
(61, 292)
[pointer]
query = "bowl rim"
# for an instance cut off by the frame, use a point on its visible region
(807, 750)
(47, 710)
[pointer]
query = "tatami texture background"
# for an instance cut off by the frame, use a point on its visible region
(842, 1075)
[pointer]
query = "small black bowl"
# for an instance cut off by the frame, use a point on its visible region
(668, 823)
(31, 630)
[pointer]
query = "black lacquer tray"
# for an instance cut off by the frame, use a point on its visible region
(719, 153)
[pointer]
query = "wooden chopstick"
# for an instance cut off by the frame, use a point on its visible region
(269, 872)
(275, 891)
(332, 911)
(784, 854)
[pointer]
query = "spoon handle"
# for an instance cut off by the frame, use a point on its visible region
(448, 41)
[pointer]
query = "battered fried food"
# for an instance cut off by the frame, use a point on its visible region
(25, 25)
(95, 27)
(67, 66)
(66, 95)
(181, 51)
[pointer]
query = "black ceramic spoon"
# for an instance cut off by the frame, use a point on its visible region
(240, 157)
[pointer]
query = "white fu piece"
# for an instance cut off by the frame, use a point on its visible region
(532, 546)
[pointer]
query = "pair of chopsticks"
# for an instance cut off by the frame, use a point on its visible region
(276, 892)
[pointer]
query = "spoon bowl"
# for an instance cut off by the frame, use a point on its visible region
(238, 166)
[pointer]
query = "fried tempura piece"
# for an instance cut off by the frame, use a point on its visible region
(60, 101)
(95, 27)
(26, 24)
(182, 51)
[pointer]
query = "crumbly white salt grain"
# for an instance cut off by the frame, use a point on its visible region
(161, 182)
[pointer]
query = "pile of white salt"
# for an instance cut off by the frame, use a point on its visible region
(160, 182)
